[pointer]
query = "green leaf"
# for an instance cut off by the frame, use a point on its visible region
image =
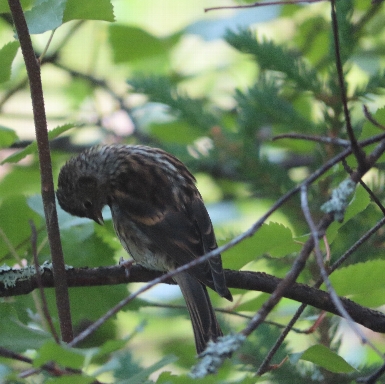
(14, 217)
(4, 8)
(346, 29)
(51, 14)
(177, 132)
(7, 54)
(368, 129)
(21, 178)
(129, 372)
(7, 136)
(274, 57)
(32, 148)
(359, 202)
(161, 89)
(64, 356)
(16, 336)
(45, 16)
(363, 288)
(70, 379)
(263, 104)
(373, 299)
(274, 239)
(66, 220)
(111, 346)
(253, 305)
(89, 10)
(324, 357)
(133, 43)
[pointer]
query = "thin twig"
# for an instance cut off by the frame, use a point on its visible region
(325, 277)
(20, 245)
(318, 139)
(227, 312)
(43, 298)
(289, 279)
(369, 116)
(10, 246)
(372, 379)
(263, 368)
(46, 46)
(356, 176)
(367, 189)
(357, 151)
(224, 247)
(49, 367)
(258, 4)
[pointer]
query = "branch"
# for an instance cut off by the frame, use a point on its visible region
(47, 187)
(247, 280)
(265, 364)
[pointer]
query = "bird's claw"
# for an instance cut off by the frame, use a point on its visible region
(126, 264)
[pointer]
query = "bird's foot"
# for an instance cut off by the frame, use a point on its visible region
(127, 264)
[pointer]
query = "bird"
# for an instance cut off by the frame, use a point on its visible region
(158, 215)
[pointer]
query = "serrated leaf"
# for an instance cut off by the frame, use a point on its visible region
(51, 14)
(273, 238)
(67, 357)
(89, 10)
(276, 240)
(7, 54)
(324, 357)
(363, 288)
(32, 148)
(7, 135)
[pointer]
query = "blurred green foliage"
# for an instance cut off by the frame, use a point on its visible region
(213, 89)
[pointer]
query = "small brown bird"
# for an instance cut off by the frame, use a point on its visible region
(158, 215)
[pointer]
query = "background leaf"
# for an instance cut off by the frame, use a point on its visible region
(324, 357)
(7, 55)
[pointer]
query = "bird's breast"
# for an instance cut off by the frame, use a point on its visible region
(141, 248)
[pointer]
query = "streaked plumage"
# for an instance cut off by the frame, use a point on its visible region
(158, 215)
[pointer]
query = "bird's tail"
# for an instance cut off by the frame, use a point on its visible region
(203, 319)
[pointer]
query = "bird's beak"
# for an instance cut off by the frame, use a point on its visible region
(98, 217)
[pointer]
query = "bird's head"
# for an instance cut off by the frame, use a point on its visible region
(80, 195)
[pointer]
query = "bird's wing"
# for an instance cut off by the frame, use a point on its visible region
(183, 235)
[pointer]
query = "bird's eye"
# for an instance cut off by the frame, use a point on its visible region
(87, 204)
